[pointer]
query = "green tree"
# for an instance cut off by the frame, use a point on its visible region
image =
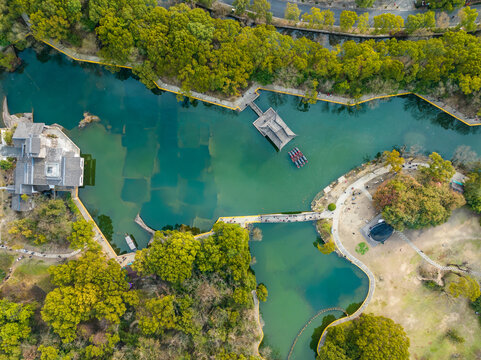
(158, 315)
(406, 203)
(327, 248)
(48, 352)
(363, 23)
(53, 18)
(368, 337)
(467, 18)
(262, 292)
(6, 165)
(14, 327)
(88, 288)
(241, 6)
(388, 23)
(448, 5)
(261, 10)
(170, 256)
(347, 20)
(439, 170)
(319, 19)
(116, 38)
(365, 3)
(292, 12)
(421, 21)
(48, 222)
(146, 74)
(394, 159)
(226, 252)
(82, 234)
(465, 286)
(472, 190)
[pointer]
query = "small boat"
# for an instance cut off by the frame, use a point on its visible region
(297, 164)
(130, 242)
(304, 158)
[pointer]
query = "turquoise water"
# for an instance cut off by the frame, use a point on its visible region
(191, 163)
(300, 281)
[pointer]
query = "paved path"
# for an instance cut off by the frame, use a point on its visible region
(42, 255)
(434, 263)
(309, 322)
(358, 185)
(276, 218)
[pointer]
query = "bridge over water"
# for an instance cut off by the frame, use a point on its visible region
(245, 221)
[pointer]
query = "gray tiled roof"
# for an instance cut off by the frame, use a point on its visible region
(73, 169)
(25, 130)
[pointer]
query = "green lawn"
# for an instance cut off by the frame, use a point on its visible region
(6, 261)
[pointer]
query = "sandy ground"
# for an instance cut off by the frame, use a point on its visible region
(425, 314)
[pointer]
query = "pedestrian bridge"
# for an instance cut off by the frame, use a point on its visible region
(276, 218)
(245, 221)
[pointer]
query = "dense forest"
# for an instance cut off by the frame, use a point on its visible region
(188, 47)
(184, 298)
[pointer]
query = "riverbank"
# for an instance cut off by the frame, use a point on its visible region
(241, 102)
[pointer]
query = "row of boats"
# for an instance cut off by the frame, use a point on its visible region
(297, 157)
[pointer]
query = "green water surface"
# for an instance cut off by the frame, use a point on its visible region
(191, 163)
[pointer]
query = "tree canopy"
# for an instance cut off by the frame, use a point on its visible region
(171, 256)
(439, 170)
(368, 337)
(14, 327)
(472, 190)
(406, 203)
(188, 47)
(394, 159)
(88, 288)
(465, 286)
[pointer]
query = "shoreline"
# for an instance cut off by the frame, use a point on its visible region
(240, 103)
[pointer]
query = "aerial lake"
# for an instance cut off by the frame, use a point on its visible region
(189, 163)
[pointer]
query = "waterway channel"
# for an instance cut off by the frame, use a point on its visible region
(191, 163)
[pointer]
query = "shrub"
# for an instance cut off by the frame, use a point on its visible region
(331, 207)
(6, 165)
(262, 292)
(327, 248)
(362, 248)
(431, 285)
(453, 335)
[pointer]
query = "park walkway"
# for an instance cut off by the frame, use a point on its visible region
(243, 221)
(358, 185)
(434, 263)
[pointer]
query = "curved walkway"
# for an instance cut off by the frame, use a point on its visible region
(309, 322)
(432, 262)
(356, 186)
